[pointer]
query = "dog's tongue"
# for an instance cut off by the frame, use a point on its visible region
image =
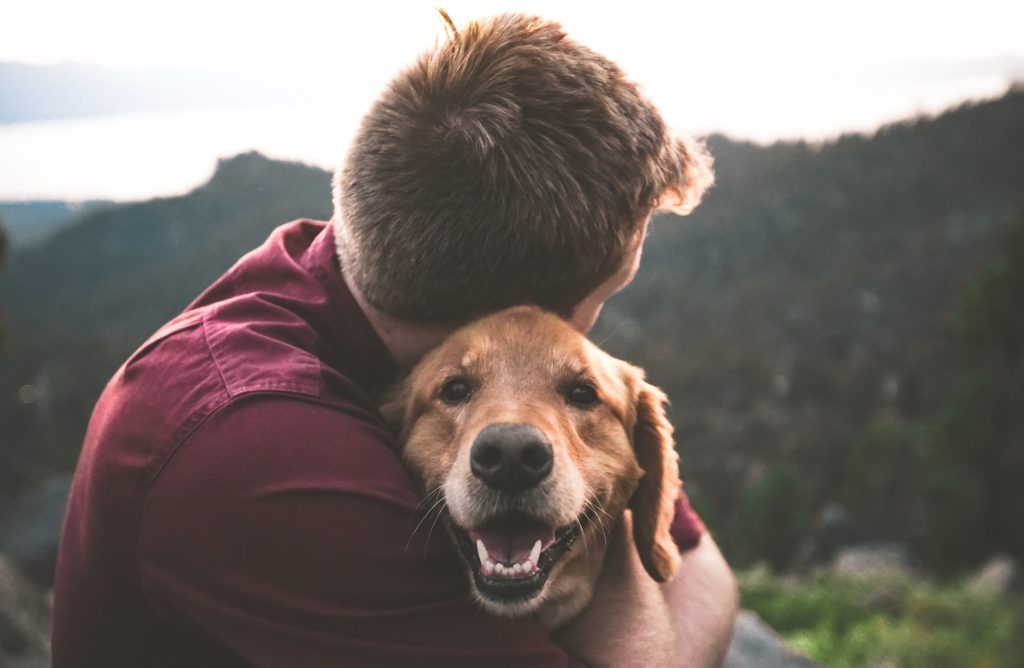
(511, 540)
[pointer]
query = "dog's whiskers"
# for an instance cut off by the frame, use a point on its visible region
(433, 524)
(580, 525)
(425, 498)
(601, 521)
(594, 509)
(440, 500)
(612, 333)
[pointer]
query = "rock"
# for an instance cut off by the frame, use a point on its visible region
(833, 530)
(756, 645)
(873, 559)
(998, 577)
(24, 621)
(31, 532)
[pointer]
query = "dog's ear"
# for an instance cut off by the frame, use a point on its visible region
(395, 406)
(653, 503)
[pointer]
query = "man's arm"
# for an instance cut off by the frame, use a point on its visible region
(283, 530)
(703, 600)
(633, 621)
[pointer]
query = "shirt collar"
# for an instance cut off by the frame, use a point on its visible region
(364, 357)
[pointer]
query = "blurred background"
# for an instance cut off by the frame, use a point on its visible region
(840, 325)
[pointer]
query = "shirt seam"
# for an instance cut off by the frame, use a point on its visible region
(181, 435)
(310, 388)
(213, 355)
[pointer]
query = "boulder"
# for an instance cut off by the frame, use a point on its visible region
(869, 559)
(24, 620)
(999, 576)
(31, 530)
(833, 529)
(756, 645)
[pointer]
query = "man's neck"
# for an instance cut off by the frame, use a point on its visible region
(407, 342)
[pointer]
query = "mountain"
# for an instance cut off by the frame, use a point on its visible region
(807, 301)
(78, 303)
(28, 222)
(812, 292)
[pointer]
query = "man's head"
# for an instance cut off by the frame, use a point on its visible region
(507, 165)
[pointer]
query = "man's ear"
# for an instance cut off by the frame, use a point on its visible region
(653, 503)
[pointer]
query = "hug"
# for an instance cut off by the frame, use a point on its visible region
(384, 440)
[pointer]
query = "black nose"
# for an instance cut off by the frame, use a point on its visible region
(511, 457)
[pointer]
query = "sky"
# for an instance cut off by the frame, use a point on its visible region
(757, 70)
(649, 38)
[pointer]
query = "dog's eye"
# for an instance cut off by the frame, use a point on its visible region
(455, 391)
(583, 395)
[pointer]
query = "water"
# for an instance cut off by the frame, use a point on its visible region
(147, 154)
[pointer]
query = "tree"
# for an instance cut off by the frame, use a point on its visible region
(3, 258)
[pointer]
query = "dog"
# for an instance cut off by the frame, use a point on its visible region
(533, 442)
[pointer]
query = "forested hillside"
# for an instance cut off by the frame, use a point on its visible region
(80, 302)
(810, 297)
(29, 222)
(803, 315)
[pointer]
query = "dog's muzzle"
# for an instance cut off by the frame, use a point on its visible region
(511, 458)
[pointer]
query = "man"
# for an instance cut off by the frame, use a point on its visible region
(239, 500)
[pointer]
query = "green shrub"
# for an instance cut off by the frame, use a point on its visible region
(774, 515)
(954, 481)
(894, 620)
(876, 481)
(949, 484)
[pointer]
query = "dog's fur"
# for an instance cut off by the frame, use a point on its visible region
(520, 366)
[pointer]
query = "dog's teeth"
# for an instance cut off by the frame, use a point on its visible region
(517, 570)
(487, 567)
(499, 568)
(481, 550)
(528, 566)
(535, 552)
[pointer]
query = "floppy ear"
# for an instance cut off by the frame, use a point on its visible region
(395, 406)
(654, 501)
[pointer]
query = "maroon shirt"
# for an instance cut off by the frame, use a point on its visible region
(239, 501)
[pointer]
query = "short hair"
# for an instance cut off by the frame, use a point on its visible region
(508, 165)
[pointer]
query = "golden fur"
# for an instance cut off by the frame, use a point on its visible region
(617, 454)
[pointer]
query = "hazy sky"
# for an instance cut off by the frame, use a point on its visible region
(653, 39)
(760, 70)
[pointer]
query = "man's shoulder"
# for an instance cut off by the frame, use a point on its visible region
(267, 444)
(213, 355)
(195, 365)
(229, 388)
(215, 391)
(280, 320)
(260, 346)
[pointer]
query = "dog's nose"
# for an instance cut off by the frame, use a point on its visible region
(511, 457)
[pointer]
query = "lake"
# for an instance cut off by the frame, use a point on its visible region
(146, 154)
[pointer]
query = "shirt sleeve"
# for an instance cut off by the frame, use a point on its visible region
(288, 531)
(687, 527)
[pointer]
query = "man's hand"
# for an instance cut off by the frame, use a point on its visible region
(633, 621)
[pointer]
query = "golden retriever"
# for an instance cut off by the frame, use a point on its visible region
(532, 442)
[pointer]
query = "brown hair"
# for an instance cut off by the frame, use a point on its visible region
(507, 165)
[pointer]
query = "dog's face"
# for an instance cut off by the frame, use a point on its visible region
(536, 441)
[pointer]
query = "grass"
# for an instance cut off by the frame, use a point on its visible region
(890, 621)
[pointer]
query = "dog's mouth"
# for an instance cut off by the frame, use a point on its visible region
(511, 556)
